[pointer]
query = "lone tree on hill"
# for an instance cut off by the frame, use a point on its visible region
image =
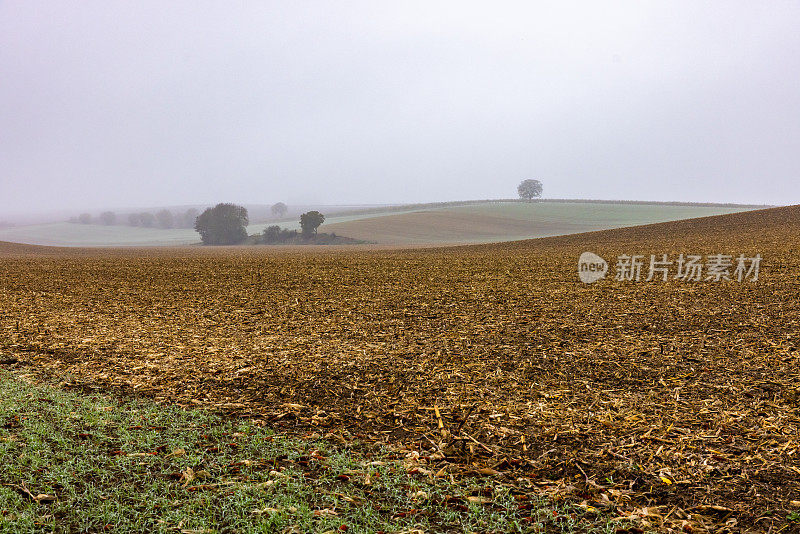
(224, 224)
(279, 209)
(529, 189)
(310, 221)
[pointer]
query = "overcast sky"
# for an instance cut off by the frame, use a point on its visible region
(115, 104)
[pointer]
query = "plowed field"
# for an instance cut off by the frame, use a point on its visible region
(677, 402)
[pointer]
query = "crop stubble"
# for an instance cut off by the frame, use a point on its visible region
(673, 400)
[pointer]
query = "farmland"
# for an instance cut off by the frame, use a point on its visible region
(492, 222)
(419, 224)
(674, 403)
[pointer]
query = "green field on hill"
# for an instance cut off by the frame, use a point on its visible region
(508, 221)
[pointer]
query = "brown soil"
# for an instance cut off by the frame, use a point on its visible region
(672, 401)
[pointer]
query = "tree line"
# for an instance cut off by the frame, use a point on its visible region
(160, 219)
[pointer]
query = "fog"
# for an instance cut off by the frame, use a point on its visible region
(118, 104)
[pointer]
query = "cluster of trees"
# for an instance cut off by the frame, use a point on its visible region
(226, 224)
(309, 223)
(274, 235)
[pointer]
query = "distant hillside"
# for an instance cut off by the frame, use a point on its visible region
(419, 224)
(507, 221)
(772, 228)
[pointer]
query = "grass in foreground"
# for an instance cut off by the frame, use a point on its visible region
(78, 463)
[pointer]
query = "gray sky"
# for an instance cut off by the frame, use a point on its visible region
(114, 104)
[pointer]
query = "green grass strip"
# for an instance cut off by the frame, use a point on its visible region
(74, 462)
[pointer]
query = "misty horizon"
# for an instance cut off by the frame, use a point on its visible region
(112, 105)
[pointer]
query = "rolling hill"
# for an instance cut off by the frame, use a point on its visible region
(511, 221)
(420, 224)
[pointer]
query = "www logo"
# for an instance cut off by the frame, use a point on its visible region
(591, 267)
